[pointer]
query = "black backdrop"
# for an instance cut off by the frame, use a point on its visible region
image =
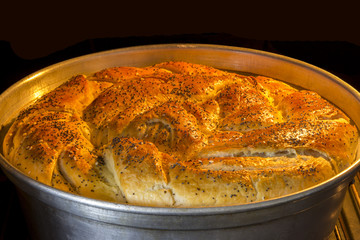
(341, 58)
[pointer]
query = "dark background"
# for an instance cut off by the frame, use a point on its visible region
(37, 34)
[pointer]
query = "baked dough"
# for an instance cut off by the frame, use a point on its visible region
(180, 134)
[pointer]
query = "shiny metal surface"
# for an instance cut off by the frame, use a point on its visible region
(348, 225)
(310, 214)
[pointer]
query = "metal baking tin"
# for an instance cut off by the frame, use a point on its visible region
(309, 214)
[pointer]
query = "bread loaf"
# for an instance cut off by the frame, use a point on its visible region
(180, 134)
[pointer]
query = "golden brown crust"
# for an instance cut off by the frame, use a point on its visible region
(180, 134)
(153, 178)
(309, 105)
(336, 141)
(171, 128)
(123, 74)
(227, 181)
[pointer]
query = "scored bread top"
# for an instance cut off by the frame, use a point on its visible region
(180, 134)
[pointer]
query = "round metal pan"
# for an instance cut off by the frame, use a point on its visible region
(309, 214)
